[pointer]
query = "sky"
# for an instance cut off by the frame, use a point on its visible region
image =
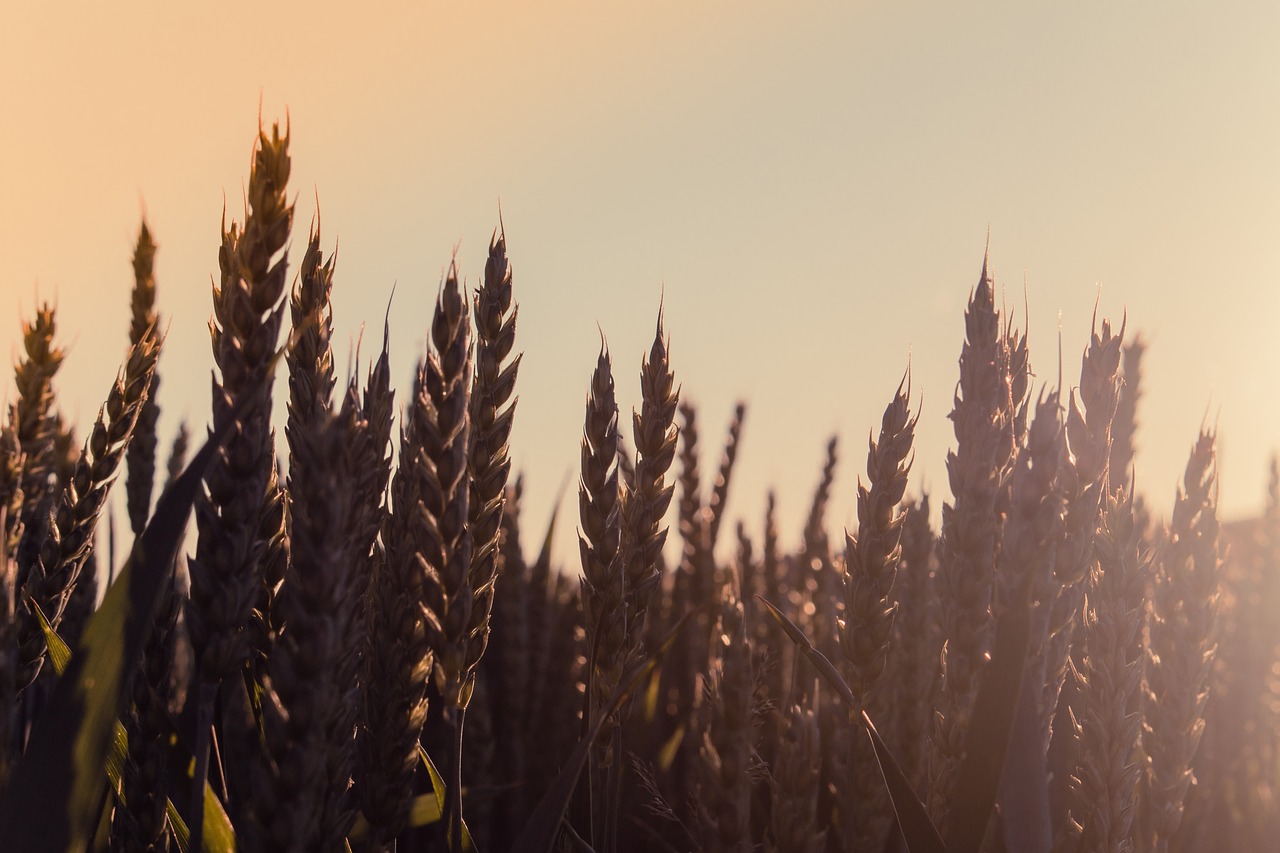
(808, 188)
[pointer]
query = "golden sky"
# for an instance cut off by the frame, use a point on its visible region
(811, 184)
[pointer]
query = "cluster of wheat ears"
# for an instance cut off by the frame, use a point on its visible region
(1035, 675)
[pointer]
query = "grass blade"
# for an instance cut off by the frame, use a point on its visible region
(59, 651)
(438, 792)
(181, 835)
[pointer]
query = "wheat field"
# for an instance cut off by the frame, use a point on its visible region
(366, 647)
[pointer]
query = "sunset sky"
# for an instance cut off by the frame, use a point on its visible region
(811, 184)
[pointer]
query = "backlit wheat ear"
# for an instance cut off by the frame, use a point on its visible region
(1084, 482)
(1034, 528)
(492, 412)
(1181, 645)
(37, 429)
(720, 488)
(248, 309)
(144, 321)
(420, 598)
(690, 516)
(442, 457)
(397, 655)
(451, 621)
(310, 354)
(56, 570)
(378, 409)
(970, 537)
(603, 588)
(871, 555)
(308, 712)
(1126, 420)
(871, 559)
(644, 507)
(1110, 683)
(1019, 360)
(603, 585)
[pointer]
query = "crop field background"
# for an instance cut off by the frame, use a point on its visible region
(573, 428)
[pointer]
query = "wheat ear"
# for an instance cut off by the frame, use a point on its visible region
(141, 457)
(56, 570)
(248, 310)
(308, 712)
(492, 412)
(1084, 479)
(603, 589)
(970, 535)
(1181, 645)
(37, 430)
(644, 507)
(871, 560)
(1110, 682)
(397, 655)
